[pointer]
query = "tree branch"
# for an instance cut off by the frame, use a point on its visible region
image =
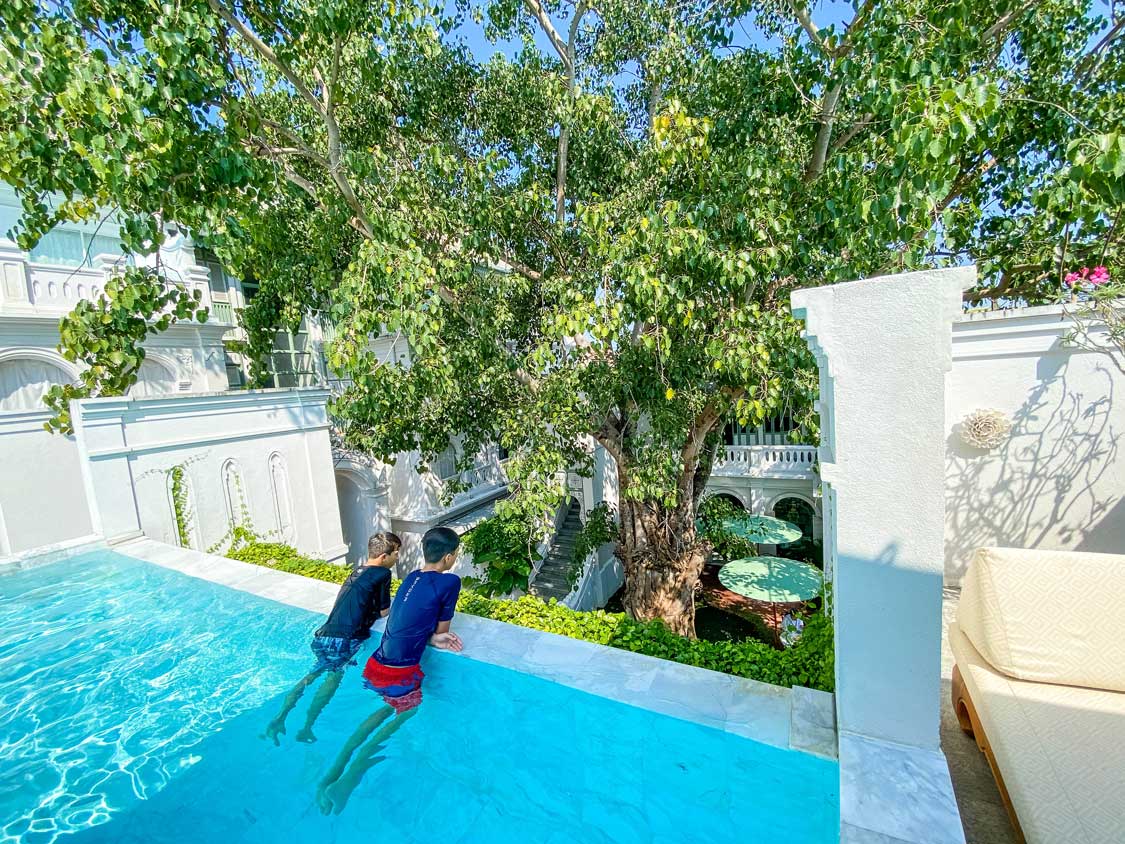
(1090, 61)
(323, 108)
(267, 53)
(1004, 21)
(800, 10)
(564, 125)
(549, 30)
(824, 133)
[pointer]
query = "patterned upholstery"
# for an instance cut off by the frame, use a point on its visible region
(1060, 750)
(1048, 616)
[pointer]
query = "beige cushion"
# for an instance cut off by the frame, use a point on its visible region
(1048, 616)
(1060, 751)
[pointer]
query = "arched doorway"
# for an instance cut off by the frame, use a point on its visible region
(801, 513)
(721, 501)
(357, 520)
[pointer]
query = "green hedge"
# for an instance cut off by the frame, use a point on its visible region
(275, 555)
(808, 663)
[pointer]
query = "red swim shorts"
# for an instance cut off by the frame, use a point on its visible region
(401, 687)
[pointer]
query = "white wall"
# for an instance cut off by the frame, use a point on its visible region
(1057, 481)
(266, 451)
(42, 496)
(363, 510)
(883, 348)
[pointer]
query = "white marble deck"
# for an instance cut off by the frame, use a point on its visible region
(894, 794)
(798, 719)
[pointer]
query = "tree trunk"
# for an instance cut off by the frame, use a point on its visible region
(663, 559)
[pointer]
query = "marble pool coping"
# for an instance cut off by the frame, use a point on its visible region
(794, 719)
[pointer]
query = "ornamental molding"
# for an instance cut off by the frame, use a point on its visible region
(985, 428)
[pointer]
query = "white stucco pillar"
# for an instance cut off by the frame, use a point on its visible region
(99, 429)
(13, 277)
(883, 346)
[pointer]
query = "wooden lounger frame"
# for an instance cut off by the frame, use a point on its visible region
(970, 723)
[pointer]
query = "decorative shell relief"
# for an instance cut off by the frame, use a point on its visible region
(985, 428)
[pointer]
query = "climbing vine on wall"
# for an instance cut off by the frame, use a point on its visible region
(181, 506)
(240, 528)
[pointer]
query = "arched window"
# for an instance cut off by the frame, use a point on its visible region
(282, 502)
(25, 381)
(181, 505)
(799, 512)
(235, 494)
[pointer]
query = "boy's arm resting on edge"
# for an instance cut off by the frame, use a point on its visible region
(443, 637)
(446, 639)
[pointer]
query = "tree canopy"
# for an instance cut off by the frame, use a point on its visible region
(594, 233)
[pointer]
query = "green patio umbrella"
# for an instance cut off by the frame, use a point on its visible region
(775, 580)
(763, 529)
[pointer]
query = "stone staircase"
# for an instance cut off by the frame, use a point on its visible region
(551, 581)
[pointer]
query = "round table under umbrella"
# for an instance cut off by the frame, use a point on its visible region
(772, 580)
(762, 529)
(775, 580)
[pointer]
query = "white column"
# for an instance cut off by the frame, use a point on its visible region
(884, 347)
(329, 544)
(13, 277)
(103, 447)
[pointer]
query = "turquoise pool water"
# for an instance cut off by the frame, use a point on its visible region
(133, 700)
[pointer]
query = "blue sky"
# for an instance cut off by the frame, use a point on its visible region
(745, 34)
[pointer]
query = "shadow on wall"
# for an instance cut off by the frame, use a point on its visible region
(1047, 485)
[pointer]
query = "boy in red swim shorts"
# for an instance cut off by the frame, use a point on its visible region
(420, 615)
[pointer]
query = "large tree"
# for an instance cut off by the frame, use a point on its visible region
(591, 234)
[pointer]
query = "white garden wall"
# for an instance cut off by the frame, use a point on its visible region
(42, 495)
(1057, 480)
(259, 458)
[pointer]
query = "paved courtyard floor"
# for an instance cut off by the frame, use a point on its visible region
(982, 813)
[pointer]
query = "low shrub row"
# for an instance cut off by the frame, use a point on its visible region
(276, 555)
(807, 663)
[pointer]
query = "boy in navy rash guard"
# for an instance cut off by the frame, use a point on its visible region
(420, 615)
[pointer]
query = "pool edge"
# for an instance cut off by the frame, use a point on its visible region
(797, 719)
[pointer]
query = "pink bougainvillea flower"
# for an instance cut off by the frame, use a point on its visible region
(1096, 276)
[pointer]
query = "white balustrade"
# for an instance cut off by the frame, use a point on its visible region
(798, 461)
(38, 288)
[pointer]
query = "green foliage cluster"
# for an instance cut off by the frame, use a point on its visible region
(595, 236)
(277, 555)
(600, 527)
(725, 545)
(1098, 319)
(808, 663)
(504, 547)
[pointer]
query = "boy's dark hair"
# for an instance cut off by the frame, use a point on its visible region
(381, 544)
(438, 542)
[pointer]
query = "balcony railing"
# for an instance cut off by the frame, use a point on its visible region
(39, 289)
(766, 461)
(221, 312)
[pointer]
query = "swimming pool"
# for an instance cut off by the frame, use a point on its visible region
(133, 700)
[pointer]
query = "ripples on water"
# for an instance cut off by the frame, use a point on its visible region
(133, 699)
(111, 672)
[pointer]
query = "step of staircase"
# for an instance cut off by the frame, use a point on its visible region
(551, 582)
